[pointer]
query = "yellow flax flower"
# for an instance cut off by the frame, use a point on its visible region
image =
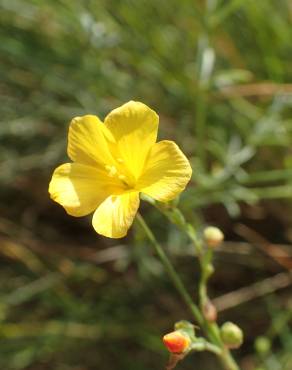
(113, 162)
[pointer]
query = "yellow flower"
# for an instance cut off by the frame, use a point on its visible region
(113, 162)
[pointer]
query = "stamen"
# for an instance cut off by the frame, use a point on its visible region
(112, 171)
(115, 173)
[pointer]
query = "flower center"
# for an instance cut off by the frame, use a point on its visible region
(122, 173)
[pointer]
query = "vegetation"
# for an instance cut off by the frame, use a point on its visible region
(218, 73)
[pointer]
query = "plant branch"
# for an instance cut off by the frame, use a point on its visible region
(171, 272)
(211, 329)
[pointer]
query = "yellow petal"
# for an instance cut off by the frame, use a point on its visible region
(166, 173)
(87, 141)
(80, 188)
(116, 214)
(134, 129)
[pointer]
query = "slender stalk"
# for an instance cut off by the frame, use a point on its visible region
(171, 272)
(200, 125)
(267, 176)
(225, 12)
(228, 361)
(211, 329)
(205, 260)
(205, 66)
(203, 345)
(274, 192)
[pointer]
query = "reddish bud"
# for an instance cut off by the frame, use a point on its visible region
(213, 236)
(176, 342)
(210, 311)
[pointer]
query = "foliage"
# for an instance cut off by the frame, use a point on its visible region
(217, 71)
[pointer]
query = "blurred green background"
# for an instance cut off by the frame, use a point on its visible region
(219, 74)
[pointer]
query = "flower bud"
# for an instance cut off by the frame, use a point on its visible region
(185, 326)
(263, 345)
(176, 342)
(231, 335)
(213, 236)
(209, 270)
(210, 311)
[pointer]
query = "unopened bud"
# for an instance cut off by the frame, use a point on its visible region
(209, 270)
(176, 342)
(263, 345)
(213, 236)
(210, 311)
(185, 326)
(231, 335)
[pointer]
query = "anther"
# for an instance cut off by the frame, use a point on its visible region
(112, 171)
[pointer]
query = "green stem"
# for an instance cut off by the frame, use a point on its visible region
(228, 361)
(203, 345)
(205, 260)
(211, 329)
(267, 176)
(171, 272)
(273, 192)
(200, 125)
(225, 12)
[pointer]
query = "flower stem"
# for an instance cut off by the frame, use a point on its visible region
(211, 328)
(171, 272)
(203, 345)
